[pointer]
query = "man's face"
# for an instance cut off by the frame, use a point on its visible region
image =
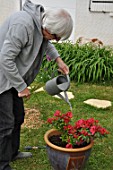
(50, 36)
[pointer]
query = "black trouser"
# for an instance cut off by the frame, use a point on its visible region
(11, 118)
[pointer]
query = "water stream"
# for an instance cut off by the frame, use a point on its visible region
(69, 105)
(67, 100)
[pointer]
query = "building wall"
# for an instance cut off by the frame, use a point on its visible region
(7, 7)
(86, 24)
(93, 25)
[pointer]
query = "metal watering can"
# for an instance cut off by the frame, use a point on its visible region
(57, 85)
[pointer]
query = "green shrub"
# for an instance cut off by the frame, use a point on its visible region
(87, 63)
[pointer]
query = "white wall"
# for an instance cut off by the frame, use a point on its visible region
(86, 24)
(7, 7)
(93, 25)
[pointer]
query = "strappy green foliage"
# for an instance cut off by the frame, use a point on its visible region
(87, 63)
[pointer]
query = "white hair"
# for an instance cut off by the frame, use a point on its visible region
(58, 22)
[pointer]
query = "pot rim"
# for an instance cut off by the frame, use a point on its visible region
(51, 131)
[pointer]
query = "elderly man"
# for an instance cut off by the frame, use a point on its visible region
(24, 39)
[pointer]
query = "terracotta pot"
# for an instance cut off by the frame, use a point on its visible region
(66, 159)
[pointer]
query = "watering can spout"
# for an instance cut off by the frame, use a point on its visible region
(66, 99)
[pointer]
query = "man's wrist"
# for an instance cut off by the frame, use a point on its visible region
(58, 59)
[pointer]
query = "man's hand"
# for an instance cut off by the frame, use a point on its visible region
(62, 66)
(24, 93)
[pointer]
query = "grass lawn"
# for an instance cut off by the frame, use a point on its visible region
(102, 153)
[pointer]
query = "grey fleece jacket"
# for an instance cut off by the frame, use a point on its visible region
(22, 47)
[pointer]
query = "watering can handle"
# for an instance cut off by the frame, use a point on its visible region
(67, 76)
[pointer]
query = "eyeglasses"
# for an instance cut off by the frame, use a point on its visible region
(54, 35)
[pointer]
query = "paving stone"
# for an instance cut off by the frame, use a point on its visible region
(98, 103)
(39, 90)
(69, 94)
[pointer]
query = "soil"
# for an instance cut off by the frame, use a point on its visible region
(32, 119)
(56, 140)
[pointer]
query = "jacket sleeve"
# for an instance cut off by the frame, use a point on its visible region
(51, 51)
(15, 40)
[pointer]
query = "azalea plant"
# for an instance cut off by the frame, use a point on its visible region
(82, 132)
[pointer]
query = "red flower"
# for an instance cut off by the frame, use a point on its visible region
(57, 113)
(80, 123)
(93, 130)
(69, 145)
(75, 136)
(84, 132)
(103, 131)
(66, 120)
(67, 127)
(69, 114)
(91, 121)
(50, 120)
(72, 130)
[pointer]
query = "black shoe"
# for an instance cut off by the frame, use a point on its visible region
(22, 155)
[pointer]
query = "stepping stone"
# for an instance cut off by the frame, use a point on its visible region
(30, 87)
(98, 103)
(38, 90)
(69, 94)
